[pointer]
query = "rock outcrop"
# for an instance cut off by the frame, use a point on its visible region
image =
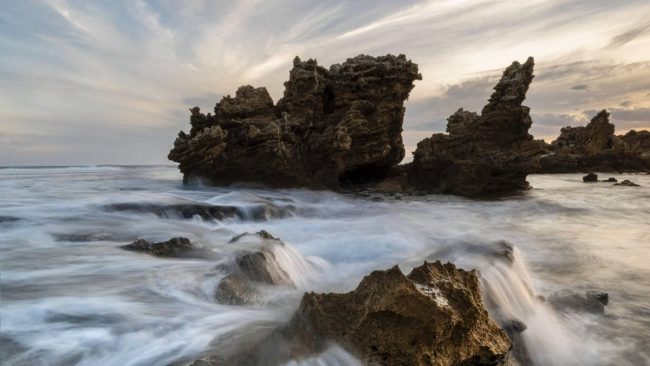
(252, 270)
(594, 147)
(433, 316)
(260, 212)
(627, 183)
(332, 127)
(171, 248)
(589, 178)
(482, 154)
(590, 301)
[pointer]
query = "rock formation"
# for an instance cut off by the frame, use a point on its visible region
(252, 269)
(170, 248)
(433, 316)
(594, 147)
(589, 178)
(331, 127)
(189, 210)
(489, 153)
(590, 301)
(627, 183)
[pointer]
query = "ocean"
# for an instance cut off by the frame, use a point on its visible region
(71, 296)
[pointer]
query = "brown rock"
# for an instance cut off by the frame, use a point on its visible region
(627, 183)
(591, 177)
(433, 316)
(170, 248)
(332, 127)
(252, 269)
(594, 147)
(489, 153)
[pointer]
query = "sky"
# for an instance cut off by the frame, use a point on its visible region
(110, 82)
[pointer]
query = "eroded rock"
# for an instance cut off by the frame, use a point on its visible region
(171, 248)
(591, 177)
(433, 316)
(594, 147)
(482, 154)
(332, 127)
(252, 269)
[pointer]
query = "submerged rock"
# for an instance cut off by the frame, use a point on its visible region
(611, 180)
(627, 183)
(594, 147)
(433, 316)
(591, 177)
(590, 301)
(332, 127)
(4, 219)
(262, 234)
(170, 248)
(261, 212)
(251, 269)
(482, 154)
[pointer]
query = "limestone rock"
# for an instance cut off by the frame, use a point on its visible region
(433, 316)
(482, 154)
(594, 147)
(331, 127)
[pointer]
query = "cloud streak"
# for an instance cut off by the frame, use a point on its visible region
(78, 79)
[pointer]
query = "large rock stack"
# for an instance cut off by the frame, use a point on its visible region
(482, 154)
(331, 127)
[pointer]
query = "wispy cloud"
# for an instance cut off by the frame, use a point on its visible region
(79, 78)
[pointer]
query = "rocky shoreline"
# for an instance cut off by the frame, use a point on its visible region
(341, 127)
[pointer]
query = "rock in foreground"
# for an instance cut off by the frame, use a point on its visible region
(482, 154)
(433, 316)
(333, 126)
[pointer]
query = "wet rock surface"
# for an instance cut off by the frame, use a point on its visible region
(482, 154)
(627, 183)
(7, 219)
(252, 269)
(174, 247)
(594, 147)
(591, 177)
(569, 301)
(332, 127)
(433, 316)
(261, 212)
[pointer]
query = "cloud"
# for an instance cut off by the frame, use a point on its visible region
(580, 87)
(628, 36)
(79, 78)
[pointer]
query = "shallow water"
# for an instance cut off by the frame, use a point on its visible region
(71, 296)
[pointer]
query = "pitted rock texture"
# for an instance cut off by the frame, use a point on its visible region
(594, 147)
(330, 128)
(482, 154)
(433, 316)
